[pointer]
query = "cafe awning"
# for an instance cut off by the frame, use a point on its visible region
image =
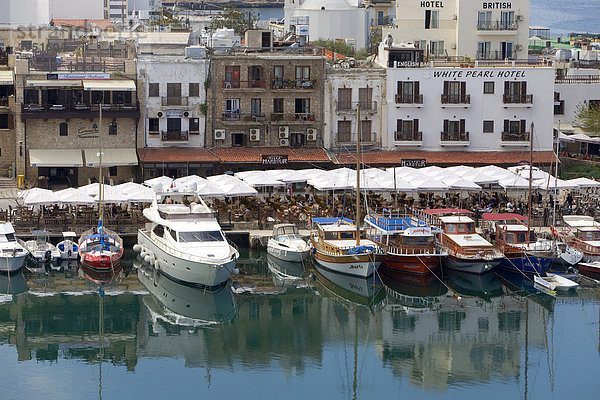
(112, 84)
(55, 83)
(55, 158)
(7, 77)
(111, 157)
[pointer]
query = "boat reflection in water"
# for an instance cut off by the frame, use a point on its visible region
(101, 277)
(485, 286)
(412, 291)
(185, 305)
(285, 273)
(360, 291)
(13, 283)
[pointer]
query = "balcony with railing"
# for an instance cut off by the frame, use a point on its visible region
(408, 138)
(456, 100)
(178, 101)
(414, 100)
(237, 85)
(49, 62)
(174, 136)
(238, 117)
(349, 106)
(524, 100)
(297, 84)
(78, 110)
(304, 116)
(517, 139)
(454, 138)
(496, 27)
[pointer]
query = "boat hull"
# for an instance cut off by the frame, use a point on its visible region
(591, 270)
(363, 265)
(527, 264)
(473, 266)
(187, 271)
(413, 263)
(286, 254)
(12, 264)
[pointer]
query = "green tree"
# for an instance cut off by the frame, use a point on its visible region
(234, 18)
(588, 117)
(165, 16)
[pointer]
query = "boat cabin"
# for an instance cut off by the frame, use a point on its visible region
(457, 225)
(391, 229)
(188, 236)
(7, 232)
(588, 233)
(514, 234)
(338, 236)
(290, 230)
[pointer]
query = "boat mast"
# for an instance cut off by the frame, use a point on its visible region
(530, 178)
(555, 179)
(100, 183)
(358, 174)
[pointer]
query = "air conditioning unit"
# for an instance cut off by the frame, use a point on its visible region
(311, 135)
(284, 132)
(518, 47)
(254, 135)
(284, 142)
(186, 114)
(519, 18)
(159, 114)
(219, 134)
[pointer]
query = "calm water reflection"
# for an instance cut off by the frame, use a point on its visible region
(290, 331)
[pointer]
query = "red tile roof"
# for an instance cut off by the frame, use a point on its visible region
(84, 23)
(254, 154)
(376, 158)
(177, 154)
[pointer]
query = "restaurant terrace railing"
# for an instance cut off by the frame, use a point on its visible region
(578, 79)
(75, 64)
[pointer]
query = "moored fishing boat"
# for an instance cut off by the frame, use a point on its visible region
(338, 245)
(583, 234)
(100, 248)
(555, 282)
(41, 249)
(408, 243)
(591, 269)
(467, 250)
(522, 249)
(286, 244)
(12, 250)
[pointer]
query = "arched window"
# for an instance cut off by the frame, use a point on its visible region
(63, 129)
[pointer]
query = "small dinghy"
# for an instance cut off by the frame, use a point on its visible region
(555, 282)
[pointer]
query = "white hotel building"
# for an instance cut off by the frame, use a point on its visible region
(494, 30)
(467, 107)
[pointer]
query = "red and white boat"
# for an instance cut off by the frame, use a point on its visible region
(583, 234)
(409, 243)
(100, 248)
(591, 269)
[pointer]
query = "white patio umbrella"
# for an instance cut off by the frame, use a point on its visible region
(74, 196)
(515, 182)
(429, 185)
(233, 186)
(209, 189)
(288, 175)
(461, 170)
(111, 194)
(584, 182)
(163, 180)
(39, 196)
(481, 177)
(462, 184)
(141, 194)
(90, 189)
(262, 179)
(550, 184)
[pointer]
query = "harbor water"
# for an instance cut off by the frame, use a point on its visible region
(284, 330)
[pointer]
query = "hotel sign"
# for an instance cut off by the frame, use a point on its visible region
(413, 162)
(77, 76)
(476, 73)
(275, 159)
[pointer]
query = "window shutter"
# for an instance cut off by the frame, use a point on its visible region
(399, 91)
(415, 126)
(523, 89)
(523, 126)
(446, 123)
(399, 125)
(506, 87)
(463, 89)
(446, 88)
(462, 126)
(11, 121)
(417, 92)
(506, 125)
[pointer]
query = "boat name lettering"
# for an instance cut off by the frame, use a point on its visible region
(479, 74)
(356, 267)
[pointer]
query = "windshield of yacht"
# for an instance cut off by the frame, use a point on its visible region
(8, 237)
(287, 230)
(201, 236)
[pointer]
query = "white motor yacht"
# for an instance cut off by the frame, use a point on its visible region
(186, 243)
(12, 250)
(68, 246)
(41, 249)
(287, 244)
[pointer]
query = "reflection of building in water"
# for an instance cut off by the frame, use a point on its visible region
(460, 340)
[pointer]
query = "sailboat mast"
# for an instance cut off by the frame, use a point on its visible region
(530, 179)
(358, 133)
(100, 183)
(555, 179)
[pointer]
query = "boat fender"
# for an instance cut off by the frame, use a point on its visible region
(48, 255)
(157, 264)
(69, 253)
(137, 248)
(147, 259)
(236, 271)
(143, 254)
(314, 250)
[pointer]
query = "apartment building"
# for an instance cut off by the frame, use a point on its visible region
(486, 30)
(7, 115)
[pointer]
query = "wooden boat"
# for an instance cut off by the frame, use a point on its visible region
(338, 248)
(100, 248)
(522, 249)
(555, 282)
(467, 250)
(408, 243)
(583, 233)
(591, 269)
